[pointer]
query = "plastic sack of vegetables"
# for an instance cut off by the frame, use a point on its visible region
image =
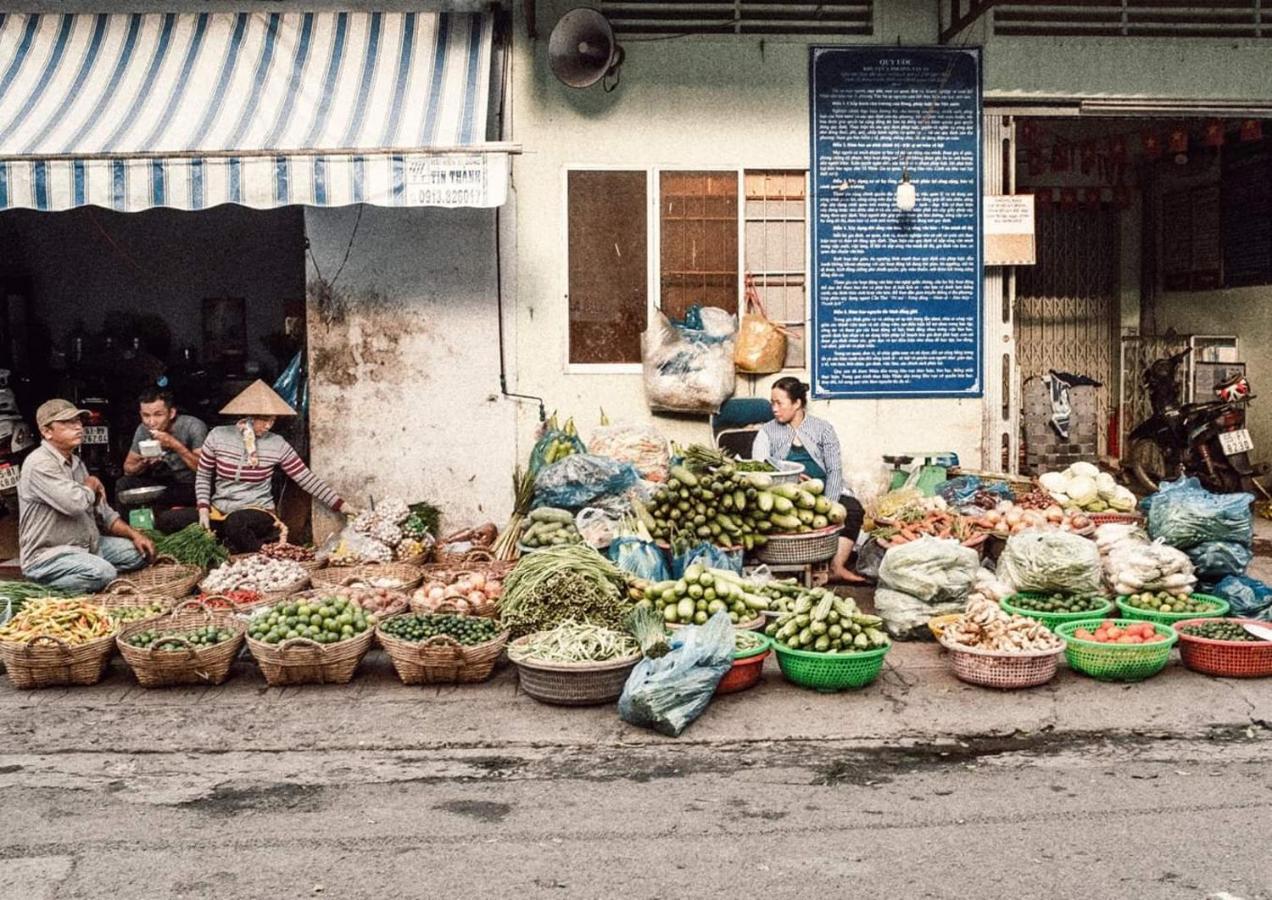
(556, 444)
(1050, 562)
(685, 370)
(1131, 567)
(1185, 514)
(930, 569)
(582, 479)
(905, 617)
(1218, 559)
(709, 555)
(641, 445)
(1249, 597)
(641, 558)
(599, 527)
(668, 693)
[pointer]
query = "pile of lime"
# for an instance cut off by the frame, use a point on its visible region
(326, 620)
(198, 638)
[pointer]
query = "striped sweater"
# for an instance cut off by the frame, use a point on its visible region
(239, 484)
(774, 441)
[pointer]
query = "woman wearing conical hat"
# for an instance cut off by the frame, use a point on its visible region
(236, 471)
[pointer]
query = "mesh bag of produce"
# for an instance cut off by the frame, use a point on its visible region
(1184, 514)
(668, 693)
(930, 569)
(641, 445)
(1050, 562)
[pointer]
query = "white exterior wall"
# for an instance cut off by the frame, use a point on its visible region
(744, 103)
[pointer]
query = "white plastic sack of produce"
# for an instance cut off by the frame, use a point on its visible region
(1050, 562)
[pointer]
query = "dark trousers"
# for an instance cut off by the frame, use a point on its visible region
(242, 532)
(176, 493)
(856, 515)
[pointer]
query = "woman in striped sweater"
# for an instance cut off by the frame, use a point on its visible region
(233, 484)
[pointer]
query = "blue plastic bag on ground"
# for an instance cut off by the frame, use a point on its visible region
(1249, 597)
(1185, 514)
(961, 491)
(667, 694)
(1216, 559)
(643, 559)
(581, 480)
(709, 555)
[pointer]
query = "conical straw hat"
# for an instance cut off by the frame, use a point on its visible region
(258, 400)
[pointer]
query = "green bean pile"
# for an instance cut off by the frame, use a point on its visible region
(576, 642)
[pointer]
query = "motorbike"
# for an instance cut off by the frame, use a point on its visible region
(1207, 440)
(16, 440)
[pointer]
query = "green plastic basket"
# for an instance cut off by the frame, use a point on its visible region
(1116, 662)
(830, 672)
(765, 643)
(1219, 610)
(1051, 620)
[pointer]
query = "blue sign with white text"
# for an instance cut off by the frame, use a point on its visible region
(896, 295)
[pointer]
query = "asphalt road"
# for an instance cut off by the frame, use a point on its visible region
(1045, 817)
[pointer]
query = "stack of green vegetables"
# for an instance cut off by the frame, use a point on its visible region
(576, 642)
(193, 545)
(709, 498)
(559, 584)
(702, 592)
(834, 625)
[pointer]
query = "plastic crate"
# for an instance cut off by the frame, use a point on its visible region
(830, 672)
(1116, 662)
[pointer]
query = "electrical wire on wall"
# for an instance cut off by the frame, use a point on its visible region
(331, 306)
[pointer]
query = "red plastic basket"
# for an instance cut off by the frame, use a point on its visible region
(1120, 518)
(1225, 659)
(744, 674)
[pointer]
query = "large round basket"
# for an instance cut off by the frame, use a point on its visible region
(45, 661)
(1218, 607)
(1115, 518)
(394, 576)
(572, 684)
(189, 665)
(447, 576)
(441, 659)
(1224, 659)
(756, 624)
(125, 596)
(273, 596)
(226, 604)
(799, 549)
(302, 661)
(1006, 671)
(1116, 662)
(830, 672)
(165, 577)
(309, 565)
(1017, 604)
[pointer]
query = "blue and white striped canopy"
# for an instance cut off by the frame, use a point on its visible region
(191, 110)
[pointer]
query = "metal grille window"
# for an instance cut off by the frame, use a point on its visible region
(775, 235)
(698, 241)
(1112, 18)
(759, 17)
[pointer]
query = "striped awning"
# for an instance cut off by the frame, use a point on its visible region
(191, 110)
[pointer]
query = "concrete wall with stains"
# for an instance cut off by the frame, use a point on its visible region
(404, 363)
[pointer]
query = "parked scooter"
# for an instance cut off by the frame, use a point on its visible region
(16, 439)
(1207, 440)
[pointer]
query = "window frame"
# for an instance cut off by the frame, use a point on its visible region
(653, 244)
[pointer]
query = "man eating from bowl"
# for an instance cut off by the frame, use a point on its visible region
(165, 450)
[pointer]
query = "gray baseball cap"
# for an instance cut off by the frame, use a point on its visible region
(51, 411)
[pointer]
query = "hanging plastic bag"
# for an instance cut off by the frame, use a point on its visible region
(709, 555)
(1185, 514)
(641, 445)
(1050, 562)
(291, 385)
(1248, 597)
(581, 480)
(686, 370)
(761, 345)
(668, 693)
(931, 569)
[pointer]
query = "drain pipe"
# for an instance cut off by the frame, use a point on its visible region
(503, 370)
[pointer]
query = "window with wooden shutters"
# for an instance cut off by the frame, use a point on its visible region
(698, 241)
(607, 246)
(774, 237)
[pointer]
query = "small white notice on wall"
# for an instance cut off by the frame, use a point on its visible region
(1009, 230)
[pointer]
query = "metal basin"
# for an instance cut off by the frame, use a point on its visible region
(141, 496)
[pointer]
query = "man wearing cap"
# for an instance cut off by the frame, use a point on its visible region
(236, 472)
(68, 535)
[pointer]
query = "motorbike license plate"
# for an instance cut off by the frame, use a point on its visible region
(96, 434)
(1234, 442)
(9, 477)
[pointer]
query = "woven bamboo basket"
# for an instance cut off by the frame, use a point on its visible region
(1005, 671)
(572, 684)
(46, 661)
(336, 577)
(309, 565)
(401, 602)
(302, 661)
(268, 597)
(165, 576)
(236, 607)
(191, 665)
(447, 576)
(125, 596)
(799, 549)
(441, 659)
(476, 555)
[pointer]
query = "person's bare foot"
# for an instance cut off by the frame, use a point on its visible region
(845, 576)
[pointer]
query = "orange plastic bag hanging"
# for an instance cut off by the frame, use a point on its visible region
(761, 345)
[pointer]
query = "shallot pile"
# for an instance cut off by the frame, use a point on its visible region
(255, 573)
(1010, 518)
(468, 593)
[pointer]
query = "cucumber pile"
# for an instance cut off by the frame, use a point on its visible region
(730, 507)
(549, 527)
(701, 593)
(832, 625)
